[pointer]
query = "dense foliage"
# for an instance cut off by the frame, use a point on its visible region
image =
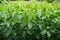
(29, 0)
(29, 21)
(50, 1)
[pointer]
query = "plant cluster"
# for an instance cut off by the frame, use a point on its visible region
(50, 1)
(29, 21)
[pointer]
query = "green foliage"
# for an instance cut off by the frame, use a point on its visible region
(50, 1)
(29, 21)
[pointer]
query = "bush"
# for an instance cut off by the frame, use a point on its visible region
(29, 21)
(50, 1)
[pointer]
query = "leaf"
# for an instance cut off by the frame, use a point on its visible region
(43, 32)
(29, 25)
(48, 34)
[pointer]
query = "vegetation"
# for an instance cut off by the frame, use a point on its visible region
(50, 1)
(30, 0)
(29, 21)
